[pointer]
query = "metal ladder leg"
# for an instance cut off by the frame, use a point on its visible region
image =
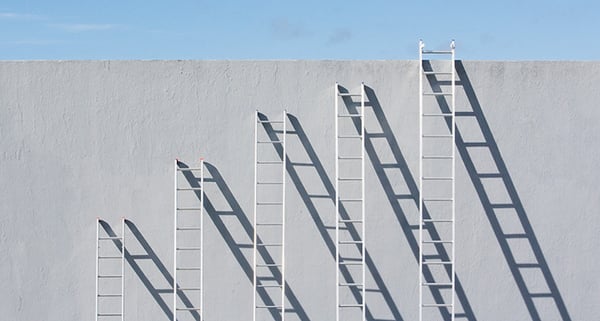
(341, 200)
(120, 241)
(261, 207)
(428, 162)
(187, 194)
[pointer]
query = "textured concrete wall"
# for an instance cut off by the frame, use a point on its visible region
(85, 139)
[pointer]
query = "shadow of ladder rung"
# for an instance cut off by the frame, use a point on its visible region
(493, 207)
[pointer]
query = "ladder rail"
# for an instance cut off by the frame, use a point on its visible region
(202, 314)
(283, 179)
(421, 46)
(122, 268)
(175, 168)
(363, 236)
(337, 207)
(254, 217)
(453, 265)
(97, 264)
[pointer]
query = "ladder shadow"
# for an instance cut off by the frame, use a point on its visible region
(149, 254)
(497, 212)
(412, 196)
(309, 201)
(236, 248)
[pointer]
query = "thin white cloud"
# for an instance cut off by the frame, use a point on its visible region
(18, 16)
(339, 36)
(285, 29)
(83, 27)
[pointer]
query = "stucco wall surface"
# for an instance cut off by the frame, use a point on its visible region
(82, 139)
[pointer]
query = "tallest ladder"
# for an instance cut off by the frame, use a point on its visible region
(437, 181)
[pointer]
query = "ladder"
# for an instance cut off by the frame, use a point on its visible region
(437, 180)
(349, 199)
(112, 268)
(188, 260)
(269, 214)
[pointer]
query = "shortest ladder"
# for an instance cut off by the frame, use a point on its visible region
(437, 197)
(110, 271)
(188, 223)
(350, 205)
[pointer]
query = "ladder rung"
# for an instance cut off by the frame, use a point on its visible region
(188, 229)
(438, 200)
(349, 115)
(188, 269)
(436, 94)
(189, 208)
(110, 257)
(268, 265)
(435, 305)
(269, 162)
(350, 199)
(349, 95)
(350, 263)
(269, 203)
(270, 121)
(350, 242)
(438, 114)
(350, 136)
(437, 262)
(109, 314)
(349, 178)
(438, 136)
(436, 284)
(110, 295)
(188, 169)
(269, 183)
(268, 286)
(269, 244)
(350, 221)
(436, 52)
(434, 220)
(350, 305)
(437, 178)
(268, 306)
(110, 238)
(188, 249)
(189, 189)
(188, 309)
(350, 284)
(188, 289)
(110, 276)
(437, 242)
(437, 73)
(269, 141)
(349, 157)
(437, 157)
(269, 224)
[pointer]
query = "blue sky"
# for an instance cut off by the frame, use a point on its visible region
(307, 29)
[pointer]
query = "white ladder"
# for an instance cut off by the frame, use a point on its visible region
(188, 203)
(102, 256)
(350, 194)
(437, 166)
(269, 212)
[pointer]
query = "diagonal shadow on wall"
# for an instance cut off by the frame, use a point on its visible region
(521, 249)
(401, 202)
(148, 254)
(310, 200)
(236, 248)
